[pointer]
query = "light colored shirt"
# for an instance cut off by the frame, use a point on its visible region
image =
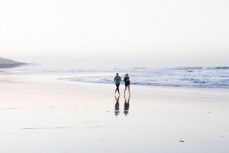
(117, 80)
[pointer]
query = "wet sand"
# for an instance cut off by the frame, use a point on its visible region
(39, 114)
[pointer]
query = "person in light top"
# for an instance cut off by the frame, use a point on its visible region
(117, 81)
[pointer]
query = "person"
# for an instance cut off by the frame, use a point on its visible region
(117, 81)
(127, 83)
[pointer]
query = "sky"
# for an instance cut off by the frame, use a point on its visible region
(116, 32)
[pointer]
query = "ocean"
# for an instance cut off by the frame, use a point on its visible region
(191, 77)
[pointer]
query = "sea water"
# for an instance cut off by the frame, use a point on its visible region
(192, 77)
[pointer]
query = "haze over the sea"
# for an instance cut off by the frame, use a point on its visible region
(116, 33)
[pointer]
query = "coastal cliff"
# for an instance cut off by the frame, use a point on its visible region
(8, 63)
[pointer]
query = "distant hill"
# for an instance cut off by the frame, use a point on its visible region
(7, 63)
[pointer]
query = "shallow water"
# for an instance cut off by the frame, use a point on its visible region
(192, 77)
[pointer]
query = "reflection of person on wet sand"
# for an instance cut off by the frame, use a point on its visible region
(126, 105)
(117, 105)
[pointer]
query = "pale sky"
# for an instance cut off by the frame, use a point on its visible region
(142, 32)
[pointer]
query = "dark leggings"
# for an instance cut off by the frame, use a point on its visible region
(117, 87)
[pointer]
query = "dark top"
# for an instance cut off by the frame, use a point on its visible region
(127, 81)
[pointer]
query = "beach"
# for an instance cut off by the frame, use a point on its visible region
(41, 114)
(62, 60)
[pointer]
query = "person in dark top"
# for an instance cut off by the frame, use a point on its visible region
(127, 83)
(117, 81)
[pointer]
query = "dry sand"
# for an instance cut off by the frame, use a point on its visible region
(39, 114)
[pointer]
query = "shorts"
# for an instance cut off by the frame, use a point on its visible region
(127, 83)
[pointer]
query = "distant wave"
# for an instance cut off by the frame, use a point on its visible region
(221, 68)
(199, 68)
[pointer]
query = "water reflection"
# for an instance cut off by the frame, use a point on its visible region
(117, 105)
(126, 105)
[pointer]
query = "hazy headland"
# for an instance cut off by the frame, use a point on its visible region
(8, 63)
